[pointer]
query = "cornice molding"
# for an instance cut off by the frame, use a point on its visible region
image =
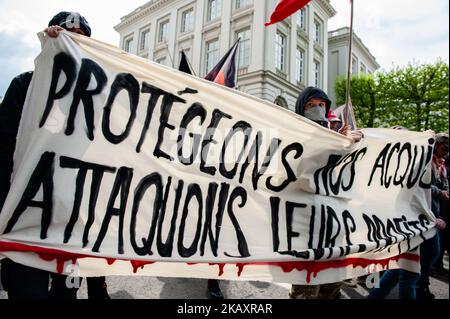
(343, 39)
(141, 12)
(325, 4)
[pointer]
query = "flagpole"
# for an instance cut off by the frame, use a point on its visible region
(170, 56)
(238, 64)
(349, 68)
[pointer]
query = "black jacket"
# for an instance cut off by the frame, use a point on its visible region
(306, 95)
(10, 115)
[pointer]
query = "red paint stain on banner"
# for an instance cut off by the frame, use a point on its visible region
(110, 261)
(221, 268)
(311, 267)
(314, 267)
(136, 264)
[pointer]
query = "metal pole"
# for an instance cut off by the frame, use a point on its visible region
(170, 56)
(349, 70)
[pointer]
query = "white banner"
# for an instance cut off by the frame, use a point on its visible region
(127, 167)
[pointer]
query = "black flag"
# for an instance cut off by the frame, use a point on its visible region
(184, 64)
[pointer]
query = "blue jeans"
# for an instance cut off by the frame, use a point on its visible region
(406, 284)
(429, 253)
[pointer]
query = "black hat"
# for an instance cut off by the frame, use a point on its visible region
(71, 20)
(308, 94)
(442, 138)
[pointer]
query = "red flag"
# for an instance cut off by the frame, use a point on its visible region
(285, 9)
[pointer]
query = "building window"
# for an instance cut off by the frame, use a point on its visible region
(212, 54)
(280, 101)
(145, 40)
(128, 45)
(363, 69)
(241, 4)
(161, 61)
(354, 65)
(317, 74)
(244, 48)
(163, 31)
(280, 51)
(187, 20)
(301, 19)
(300, 66)
(214, 9)
(317, 32)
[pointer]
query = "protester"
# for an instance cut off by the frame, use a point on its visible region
(314, 104)
(430, 250)
(405, 279)
(70, 21)
(335, 122)
(438, 268)
(22, 282)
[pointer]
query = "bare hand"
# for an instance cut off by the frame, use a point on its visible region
(345, 130)
(444, 195)
(356, 136)
(440, 224)
(53, 31)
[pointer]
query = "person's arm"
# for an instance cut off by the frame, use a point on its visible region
(10, 114)
(445, 179)
(439, 193)
(435, 191)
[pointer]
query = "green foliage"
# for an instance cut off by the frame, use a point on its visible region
(416, 97)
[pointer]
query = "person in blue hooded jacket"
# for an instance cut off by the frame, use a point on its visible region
(314, 104)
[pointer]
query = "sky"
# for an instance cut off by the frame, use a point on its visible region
(395, 31)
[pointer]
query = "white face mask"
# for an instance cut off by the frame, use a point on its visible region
(317, 114)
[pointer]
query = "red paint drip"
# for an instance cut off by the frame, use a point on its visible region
(221, 267)
(312, 267)
(61, 256)
(136, 264)
(241, 267)
(110, 261)
(60, 260)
